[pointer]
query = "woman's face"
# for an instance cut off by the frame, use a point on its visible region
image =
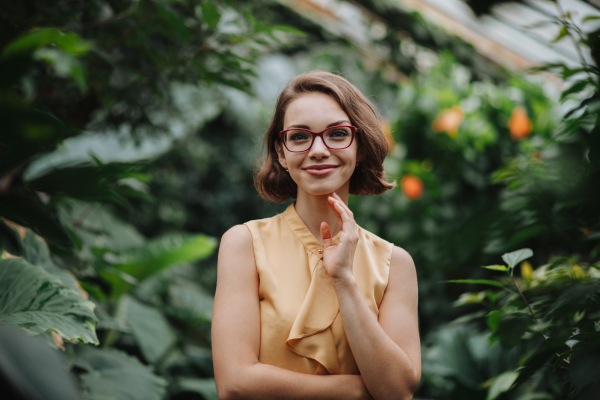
(316, 111)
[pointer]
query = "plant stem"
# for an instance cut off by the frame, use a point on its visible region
(524, 299)
(528, 305)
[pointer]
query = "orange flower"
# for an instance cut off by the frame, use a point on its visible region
(412, 187)
(519, 124)
(449, 120)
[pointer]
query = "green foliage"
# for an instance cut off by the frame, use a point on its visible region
(131, 68)
(551, 317)
(178, 76)
(452, 132)
(148, 326)
(127, 267)
(36, 301)
(545, 321)
(112, 374)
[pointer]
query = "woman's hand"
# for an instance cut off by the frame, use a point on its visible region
(338, 258)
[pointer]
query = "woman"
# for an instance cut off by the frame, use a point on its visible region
(286, 283)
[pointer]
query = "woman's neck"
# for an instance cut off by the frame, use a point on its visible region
(313, 210)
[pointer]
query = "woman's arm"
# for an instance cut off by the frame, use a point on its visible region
(236, 337)
(387, 351)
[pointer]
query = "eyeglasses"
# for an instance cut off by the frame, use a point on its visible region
(335, 138)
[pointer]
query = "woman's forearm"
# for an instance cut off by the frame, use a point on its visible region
(263, 381)
(386, 369)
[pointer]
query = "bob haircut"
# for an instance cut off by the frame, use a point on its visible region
(272, 181)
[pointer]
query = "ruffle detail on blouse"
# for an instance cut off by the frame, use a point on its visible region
(311, 335)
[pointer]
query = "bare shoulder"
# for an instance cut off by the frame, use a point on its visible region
(237, 239)
(402, 264)
(236, 253)
(402, 285)
(237, 236)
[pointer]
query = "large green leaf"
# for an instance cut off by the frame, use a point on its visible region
(114, 375)
(501, 384)
(190, 304)
(36, 252)
(68, 42)
(89, 182)
(98, 227)
(138, 263)
(34, 300)
(149, 327)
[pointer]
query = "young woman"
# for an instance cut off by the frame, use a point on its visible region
(309, 305)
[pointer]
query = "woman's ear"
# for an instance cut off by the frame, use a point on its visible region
(280, 154)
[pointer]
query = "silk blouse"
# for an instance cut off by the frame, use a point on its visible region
(300, 324)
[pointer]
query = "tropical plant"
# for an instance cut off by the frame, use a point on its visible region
(70, 270)
(539, 336)
(542, 330)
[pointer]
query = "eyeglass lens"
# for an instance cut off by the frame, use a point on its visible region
(335, 138)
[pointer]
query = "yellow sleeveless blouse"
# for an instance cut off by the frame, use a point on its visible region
(300, 325)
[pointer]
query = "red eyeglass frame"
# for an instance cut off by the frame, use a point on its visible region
(320, 134)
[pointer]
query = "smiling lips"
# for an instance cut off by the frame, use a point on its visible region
(320, 170)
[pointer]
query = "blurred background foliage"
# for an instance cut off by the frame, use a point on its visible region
(129, 137)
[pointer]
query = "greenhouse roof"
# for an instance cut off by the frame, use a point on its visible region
(515, 35)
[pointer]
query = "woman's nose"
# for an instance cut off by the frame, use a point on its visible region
(318, 148)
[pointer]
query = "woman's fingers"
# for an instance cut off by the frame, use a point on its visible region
(326, 235)
(344, 211)
(332, 202)
(350, 213)
(346, 215)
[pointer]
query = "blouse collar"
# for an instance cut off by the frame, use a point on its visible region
(303, 233)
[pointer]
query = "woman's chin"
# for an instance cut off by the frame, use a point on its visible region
(323, 189)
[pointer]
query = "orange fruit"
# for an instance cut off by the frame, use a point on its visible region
(449, 120)
(412, 187)
(519, 124)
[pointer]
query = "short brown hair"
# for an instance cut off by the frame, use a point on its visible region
(272, 181)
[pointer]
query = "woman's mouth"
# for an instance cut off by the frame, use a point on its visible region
(321, 171)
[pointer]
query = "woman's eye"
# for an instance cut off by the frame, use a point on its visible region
(339, 133)
(298, 136)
